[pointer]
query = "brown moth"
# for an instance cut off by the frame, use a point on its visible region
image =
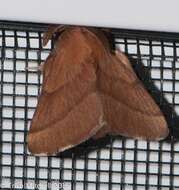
(88, 91)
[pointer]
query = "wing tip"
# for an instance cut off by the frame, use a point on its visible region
(35, 148)
(164, 133)
(161, 133)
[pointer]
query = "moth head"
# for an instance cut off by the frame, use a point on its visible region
(105, 36)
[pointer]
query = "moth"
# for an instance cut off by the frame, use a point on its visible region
(88, 91)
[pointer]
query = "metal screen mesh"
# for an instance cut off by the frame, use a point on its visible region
(119, 163)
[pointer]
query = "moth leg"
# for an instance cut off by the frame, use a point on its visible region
(37, 68)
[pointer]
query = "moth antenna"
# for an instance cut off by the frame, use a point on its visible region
(53, 29)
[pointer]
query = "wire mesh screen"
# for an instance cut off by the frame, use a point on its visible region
(120, 163)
